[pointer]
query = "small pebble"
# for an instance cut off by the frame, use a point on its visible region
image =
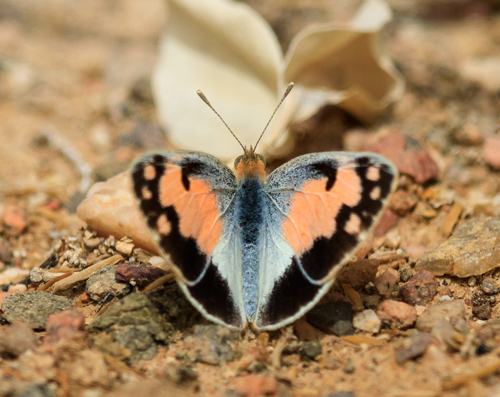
(104, 283)
(124, 248)
(310, 350)
(16, 339)
(450, 335)
(405, 274)
(156, 260)
(332, 317)
(471, 281)
(14, 219)
(367, 321)
(397, 314)
(359, 273)
(63, 325)
(489, 287)
(349, 367)
(183, 376)
(141, 276)
(482, 312)
(5, 251)
(413, 347)
(452, 310)
(491, 152)
(421, 288)
(386, 281)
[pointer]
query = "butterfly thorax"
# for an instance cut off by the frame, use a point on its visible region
(250, 164)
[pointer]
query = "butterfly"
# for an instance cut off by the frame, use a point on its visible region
(248, 248)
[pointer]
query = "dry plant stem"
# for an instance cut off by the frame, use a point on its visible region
(63, 270)
(481, 373)
(278, 351)
(166, 279)
(53, 281)
(77, 277)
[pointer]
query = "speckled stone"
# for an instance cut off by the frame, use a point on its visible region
(34, 307)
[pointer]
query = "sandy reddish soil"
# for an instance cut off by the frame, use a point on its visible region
(80, 72)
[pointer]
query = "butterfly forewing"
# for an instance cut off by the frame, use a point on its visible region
(187, 202)
(319, 209)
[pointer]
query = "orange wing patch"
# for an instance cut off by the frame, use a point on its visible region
(313, 209)
(197, 208)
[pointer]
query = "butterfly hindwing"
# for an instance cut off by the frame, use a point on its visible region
(187, 201)
(319, 208)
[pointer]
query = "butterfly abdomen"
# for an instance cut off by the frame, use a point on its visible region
(249, 214)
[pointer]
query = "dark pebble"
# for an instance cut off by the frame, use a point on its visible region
(50, 262)
(482, 312)
(5, 251)
(256, 367)
(405, 274)
(183, 376)
(489, 287)
(349, 367)
(479, 299)
(311, 350)
(332, 318)
(421, 288)
(142, 276)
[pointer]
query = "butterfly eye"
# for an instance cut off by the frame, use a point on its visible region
(262, 159)
(237, 161)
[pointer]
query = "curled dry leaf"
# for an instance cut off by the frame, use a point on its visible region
(229, 52)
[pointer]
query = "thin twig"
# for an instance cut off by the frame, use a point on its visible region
(68, 150)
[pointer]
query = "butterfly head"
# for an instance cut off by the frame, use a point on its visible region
(250, 164)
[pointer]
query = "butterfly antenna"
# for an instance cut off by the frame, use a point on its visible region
(287, 91)
(204, 99)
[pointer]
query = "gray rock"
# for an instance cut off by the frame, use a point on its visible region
(134, 323)
(472, 250)
(332, 318)
(102, 284)
(33, 307)
(452, 310)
